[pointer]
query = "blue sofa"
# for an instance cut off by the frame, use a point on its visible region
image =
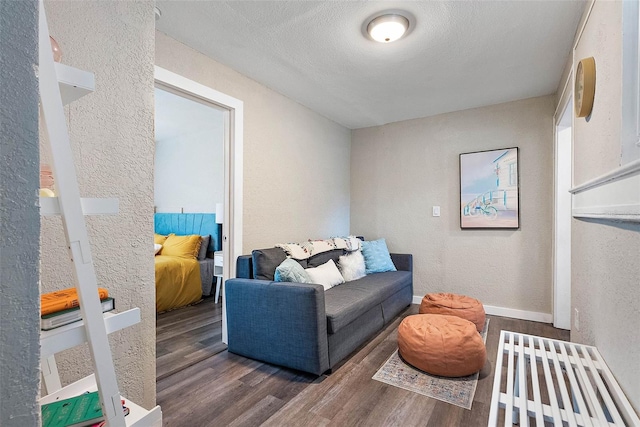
(302, 326)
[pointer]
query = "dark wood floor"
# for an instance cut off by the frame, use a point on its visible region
(187, 336)
(230, 390)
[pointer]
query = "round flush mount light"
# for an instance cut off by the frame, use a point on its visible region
(388, 27)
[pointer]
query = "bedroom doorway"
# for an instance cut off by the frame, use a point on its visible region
(233, 159)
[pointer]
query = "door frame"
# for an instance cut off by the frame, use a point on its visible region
(561, 291)
(233, 161)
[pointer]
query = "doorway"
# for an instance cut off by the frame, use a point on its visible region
(188, 186)
(233, 115)
(562, 217)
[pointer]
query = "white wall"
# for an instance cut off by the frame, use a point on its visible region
(189, 159)
(400, 170)
(111, 134)
(296, 162)
(19, 216)
(606, 255)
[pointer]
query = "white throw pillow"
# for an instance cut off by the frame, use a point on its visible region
(326, 275)
(352, 266)
(157, 247)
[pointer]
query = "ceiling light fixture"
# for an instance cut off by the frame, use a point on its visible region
(157, 12)
(388, 28)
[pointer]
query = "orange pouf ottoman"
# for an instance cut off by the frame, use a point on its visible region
(441, 345)
(454, 305)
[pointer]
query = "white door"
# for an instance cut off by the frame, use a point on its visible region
(562, 220)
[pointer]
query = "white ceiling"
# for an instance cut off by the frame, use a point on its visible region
(459, 55)
(177, 117)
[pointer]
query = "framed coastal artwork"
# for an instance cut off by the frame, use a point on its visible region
(489, 191)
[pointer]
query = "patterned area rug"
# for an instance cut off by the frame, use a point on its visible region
(457, 391)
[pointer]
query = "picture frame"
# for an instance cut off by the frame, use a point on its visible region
(490, 189)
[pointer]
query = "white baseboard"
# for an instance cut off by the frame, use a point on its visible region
(509, 312)
(534, 316)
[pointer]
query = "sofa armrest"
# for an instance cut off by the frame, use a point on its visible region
(282, 323)
(403, 262)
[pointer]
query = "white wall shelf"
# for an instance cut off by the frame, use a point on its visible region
(74, 83)
(138, 416)
(612, 196)
(90, 206)
(74, 334)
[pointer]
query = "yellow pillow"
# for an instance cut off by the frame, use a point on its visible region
(159, 238)
(182, 246)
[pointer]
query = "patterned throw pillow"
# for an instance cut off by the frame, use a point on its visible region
(291, 271)
(352, 266)
(376, 256)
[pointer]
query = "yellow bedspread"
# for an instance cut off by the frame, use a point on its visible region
(177, 282)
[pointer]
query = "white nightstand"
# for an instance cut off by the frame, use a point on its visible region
(217, 271)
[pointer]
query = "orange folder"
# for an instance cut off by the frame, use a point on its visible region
(63, 300)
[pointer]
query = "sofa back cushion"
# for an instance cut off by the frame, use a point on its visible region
(265, 262)
(323, 257)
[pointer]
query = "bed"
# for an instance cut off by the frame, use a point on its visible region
(185, 279)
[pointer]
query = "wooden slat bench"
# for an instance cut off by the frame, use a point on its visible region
(549, 381)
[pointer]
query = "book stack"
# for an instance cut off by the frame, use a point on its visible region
(60, 308)
(79, 411)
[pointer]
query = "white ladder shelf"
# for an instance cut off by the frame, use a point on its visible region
(60, 85)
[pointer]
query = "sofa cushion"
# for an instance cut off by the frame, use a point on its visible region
(291, 271)
(265, 262)
(376, 256)
(345, 303)
(326, 275)
(352, 266)
(323, 257)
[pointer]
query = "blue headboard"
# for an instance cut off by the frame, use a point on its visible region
(183, 224)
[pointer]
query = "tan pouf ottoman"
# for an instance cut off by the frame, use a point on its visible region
(441, 345)
(454, 305)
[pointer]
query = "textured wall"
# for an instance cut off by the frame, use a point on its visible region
(605, 255)
(296, 162)
(112, 140)
(19, 215)
(399, 171)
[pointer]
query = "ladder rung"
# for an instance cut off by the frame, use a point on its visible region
(90, 206)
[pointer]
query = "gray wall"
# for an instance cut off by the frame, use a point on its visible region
(605, 255)
(400, 170)
(296, 162)
(19, 215)
(111, 133)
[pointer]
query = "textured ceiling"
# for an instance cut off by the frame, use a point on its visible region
(459, 54)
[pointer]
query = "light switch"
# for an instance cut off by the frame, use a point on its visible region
(436, 211)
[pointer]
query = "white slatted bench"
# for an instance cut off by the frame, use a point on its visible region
(564, 384)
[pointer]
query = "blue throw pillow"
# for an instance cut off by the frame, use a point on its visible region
(376, 256)
(291, 271)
